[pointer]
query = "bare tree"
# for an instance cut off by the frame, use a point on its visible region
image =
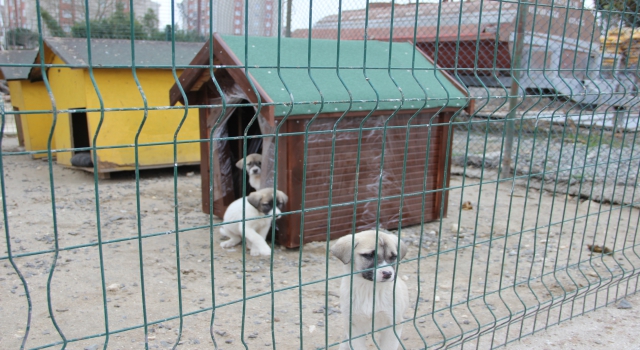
(99, 9)
(52, 6)
(183, 13)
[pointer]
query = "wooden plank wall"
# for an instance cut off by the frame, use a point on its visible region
(344, 176)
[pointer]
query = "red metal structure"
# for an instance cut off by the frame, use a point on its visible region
(474, 39)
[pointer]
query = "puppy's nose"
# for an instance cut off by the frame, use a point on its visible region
(386, 274)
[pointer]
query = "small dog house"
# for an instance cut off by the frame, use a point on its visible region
(33, 129)
(80, 104)
(365, 107)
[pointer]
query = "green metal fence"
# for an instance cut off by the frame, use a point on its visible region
(538, 202)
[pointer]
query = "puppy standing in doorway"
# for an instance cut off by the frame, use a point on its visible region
(257, 204)
(359, 300)
(254, 168)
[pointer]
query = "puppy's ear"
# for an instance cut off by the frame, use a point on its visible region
(240, 164)
(342, 248)
(400, 247)
(282, 196)
(254, 199)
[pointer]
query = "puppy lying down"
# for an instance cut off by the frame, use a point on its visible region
(357, 299)
(257, 204)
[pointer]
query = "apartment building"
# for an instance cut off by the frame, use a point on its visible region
(229, 16)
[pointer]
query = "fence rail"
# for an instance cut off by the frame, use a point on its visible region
(494, 141)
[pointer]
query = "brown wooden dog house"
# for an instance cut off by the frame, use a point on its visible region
(349, 104)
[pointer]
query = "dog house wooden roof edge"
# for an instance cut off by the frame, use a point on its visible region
(190, 77)
(16, 57)
(114, 52)
(452, 95)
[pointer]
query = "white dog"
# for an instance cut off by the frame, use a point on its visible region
(254, 168)
(257, 204)
(360, 298)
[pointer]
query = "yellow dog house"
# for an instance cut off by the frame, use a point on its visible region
(123, 106)
(33, 129)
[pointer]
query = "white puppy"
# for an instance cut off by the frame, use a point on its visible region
(259, 203)
(254, 164)
(360, 298)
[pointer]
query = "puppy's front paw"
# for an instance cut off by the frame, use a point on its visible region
(265, 251)
(228, 244)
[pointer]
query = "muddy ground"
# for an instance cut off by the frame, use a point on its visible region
(502, 269)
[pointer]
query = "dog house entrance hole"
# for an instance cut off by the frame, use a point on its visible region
(79, 131)
(236, 126)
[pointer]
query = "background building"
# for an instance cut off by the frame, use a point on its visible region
(228, 17)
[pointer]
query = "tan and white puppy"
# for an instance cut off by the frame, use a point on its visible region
(259, 203)
(359, 299)
(254, 168)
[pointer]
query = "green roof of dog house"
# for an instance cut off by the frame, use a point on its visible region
(387, 78)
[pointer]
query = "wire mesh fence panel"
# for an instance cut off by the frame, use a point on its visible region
(303, 175)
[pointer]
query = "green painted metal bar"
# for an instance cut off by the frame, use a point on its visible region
(5, 217)
(379, 203)
(134, 72)
(244, 176)
(276, 162)
(211, 170)
(424, 182)
(94, 153)
(176, 205)
(429, 136)
(51, 183)
(331, 179)
(305, 160)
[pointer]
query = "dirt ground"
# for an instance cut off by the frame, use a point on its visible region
(514, 263)
(606, 328)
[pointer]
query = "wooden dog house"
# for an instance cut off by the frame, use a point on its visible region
(353, 102)
(33, 129)
(74, 94)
